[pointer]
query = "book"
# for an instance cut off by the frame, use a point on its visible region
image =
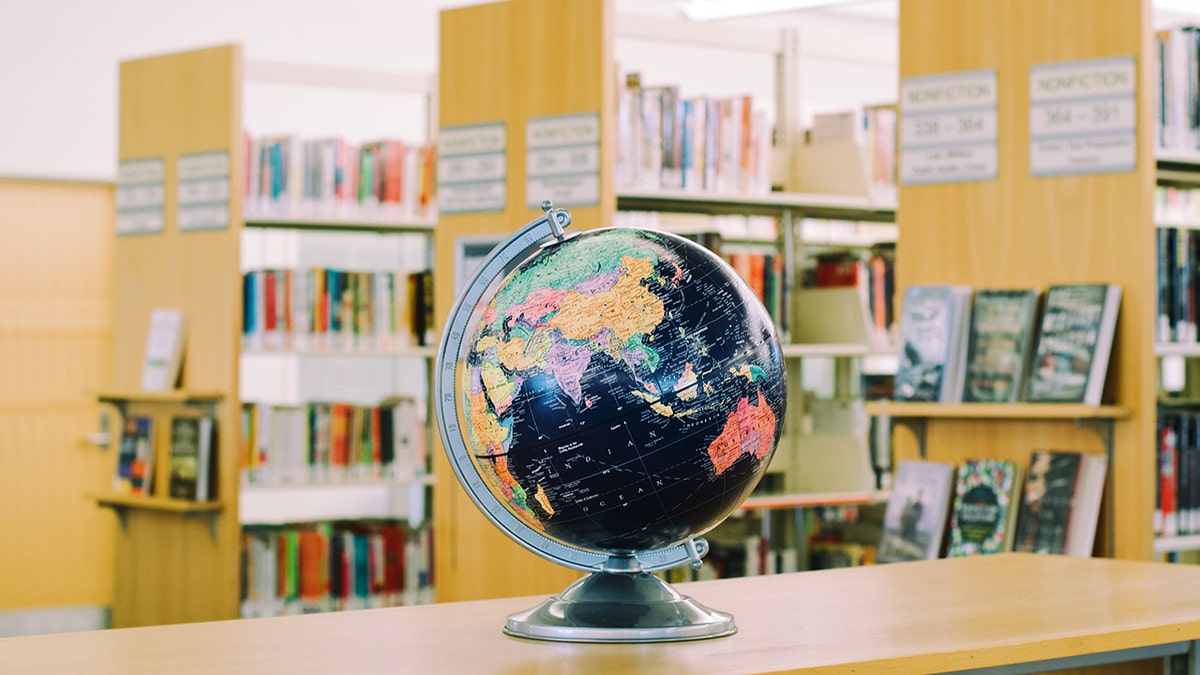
(983, 518)
(1060, 504)
(134, 473)
(1074, 342)
(933, 324)
(914, 523)
(164, 350)
(191, 458)
(999, 343)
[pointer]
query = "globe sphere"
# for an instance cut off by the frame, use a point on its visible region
(621, 391)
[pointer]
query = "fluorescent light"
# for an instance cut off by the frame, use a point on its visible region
(708, 10)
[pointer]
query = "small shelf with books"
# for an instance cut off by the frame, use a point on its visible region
(123, 504)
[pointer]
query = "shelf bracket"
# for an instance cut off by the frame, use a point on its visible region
(916, 426)
(1103, 427)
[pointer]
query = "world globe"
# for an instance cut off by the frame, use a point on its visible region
(606, 398)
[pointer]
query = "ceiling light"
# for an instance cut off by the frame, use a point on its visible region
(708, 10)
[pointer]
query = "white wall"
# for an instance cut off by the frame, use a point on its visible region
(59, 63)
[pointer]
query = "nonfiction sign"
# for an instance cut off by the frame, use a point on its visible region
(563, 160)
(472, 168)
(1083, 117)
(141, 195)
(948, 127)
(202, 191)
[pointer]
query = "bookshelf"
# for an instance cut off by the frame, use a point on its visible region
(179, 561)
(493, 81)
(1017, 229)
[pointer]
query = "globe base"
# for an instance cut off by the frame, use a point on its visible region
(620, 607)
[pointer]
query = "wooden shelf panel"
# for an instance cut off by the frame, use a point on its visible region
(173, 396)
(811, 499)
(997, 410)
(769, 204)
(163, 504)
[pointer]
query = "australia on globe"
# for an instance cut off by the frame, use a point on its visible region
(622, 390)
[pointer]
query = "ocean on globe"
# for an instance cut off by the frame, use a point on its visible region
(622, 391)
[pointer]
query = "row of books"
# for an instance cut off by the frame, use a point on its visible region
(330, 566)
(694, 143)
(1177, 88)
(288, 176)
(328, 442)
(1177, 252)
(191, 457)
(826, 160)
(982, 506)
(326, 309)
(1176, 206)
(1006, 345)
(1177, 481)
(847, 296)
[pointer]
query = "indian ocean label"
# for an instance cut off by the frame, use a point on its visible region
(948, 127)
(1082, 117)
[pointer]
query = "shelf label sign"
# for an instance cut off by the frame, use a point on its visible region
(948, 128)
(1082, 117)
(472, 168)
(202, 191)
(562, 161)
(141, 195)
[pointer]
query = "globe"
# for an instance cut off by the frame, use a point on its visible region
(616, 394)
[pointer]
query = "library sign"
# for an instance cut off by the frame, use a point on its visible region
(472, 168)
(563, 160)
(141, 195)
(1082, 117)
(948, 128)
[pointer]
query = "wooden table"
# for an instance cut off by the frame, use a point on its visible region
(920, 617)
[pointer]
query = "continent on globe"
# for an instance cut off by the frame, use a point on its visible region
(622, 390)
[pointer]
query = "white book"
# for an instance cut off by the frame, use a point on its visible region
(164, 350)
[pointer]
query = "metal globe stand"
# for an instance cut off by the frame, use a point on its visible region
(620, 606)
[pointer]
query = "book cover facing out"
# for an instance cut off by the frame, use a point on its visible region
(915, 520)
(1046, 505)
(982, 518)
(1074, 343)
(1002, 323)
(926, 321)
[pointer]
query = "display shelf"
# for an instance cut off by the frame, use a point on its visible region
(1066, 411)
(122, 505)
(173, 396)
(759, 502)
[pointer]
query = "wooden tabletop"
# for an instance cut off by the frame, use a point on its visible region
(927, 616)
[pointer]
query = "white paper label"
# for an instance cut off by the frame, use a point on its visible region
(949, 128)
(141, 195)
(472, 168)
(562, 163)
(1082, 117)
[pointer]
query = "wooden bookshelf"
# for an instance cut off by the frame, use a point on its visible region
(1017, 230)
(171, 568)
(181, 561)
(508, 62)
